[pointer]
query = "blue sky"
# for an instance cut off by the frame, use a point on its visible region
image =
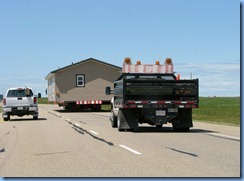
(202, 37)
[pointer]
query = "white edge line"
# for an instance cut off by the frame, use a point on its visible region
(130, 149)
(94, 132)
(76, 124)
(224, 136)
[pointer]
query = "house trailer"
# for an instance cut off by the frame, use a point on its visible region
(82, 84)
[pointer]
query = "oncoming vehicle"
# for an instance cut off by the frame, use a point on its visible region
(20, 102)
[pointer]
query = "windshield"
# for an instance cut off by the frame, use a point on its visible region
(20, 93)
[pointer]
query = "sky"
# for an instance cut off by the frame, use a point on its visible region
(201, 36)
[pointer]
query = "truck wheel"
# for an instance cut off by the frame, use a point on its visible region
(114, 120)
(185, 118)
(181, 129)
(120, 119)
(127, 120)
(7, 118)
(35, 117)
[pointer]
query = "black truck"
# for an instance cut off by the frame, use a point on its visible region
(156, 98)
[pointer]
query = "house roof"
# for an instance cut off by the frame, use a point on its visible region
(78, 63)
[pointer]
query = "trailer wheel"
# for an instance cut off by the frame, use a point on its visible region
(66, 108)
(96, 108)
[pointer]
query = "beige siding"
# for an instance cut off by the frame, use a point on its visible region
(97, 77)
(51, 89)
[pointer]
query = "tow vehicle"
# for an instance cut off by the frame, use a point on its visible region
(152, 94)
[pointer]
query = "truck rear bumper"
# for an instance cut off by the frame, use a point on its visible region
(20, 110)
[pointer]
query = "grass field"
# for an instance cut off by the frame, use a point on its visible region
(222, 110)
(219, 110)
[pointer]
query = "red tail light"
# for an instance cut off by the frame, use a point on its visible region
(35, 100)
(4, 101)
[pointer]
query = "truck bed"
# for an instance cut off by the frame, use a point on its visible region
(151, 89)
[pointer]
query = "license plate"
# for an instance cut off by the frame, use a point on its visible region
(32, 108)
(20, 108)
(7, 109)
(160, 112)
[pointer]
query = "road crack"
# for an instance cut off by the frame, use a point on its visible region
(83, 131)
(183, 152)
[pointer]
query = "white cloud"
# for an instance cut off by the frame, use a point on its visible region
(214, 79)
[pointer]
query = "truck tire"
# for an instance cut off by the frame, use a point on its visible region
(127, 119)
(185, 118)
(120, 119)
(187, 129)
(7, 119)
(114, 120)
(35, 117)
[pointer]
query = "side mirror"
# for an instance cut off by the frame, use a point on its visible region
(107, 90)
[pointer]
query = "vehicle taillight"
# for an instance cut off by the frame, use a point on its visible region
(4, 101)
(35, 100)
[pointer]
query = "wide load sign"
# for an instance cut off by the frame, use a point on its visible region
(128, 67)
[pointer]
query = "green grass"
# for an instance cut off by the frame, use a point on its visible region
(220, 110)
(44, 100)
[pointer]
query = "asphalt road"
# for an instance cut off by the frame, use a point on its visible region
(63, 144)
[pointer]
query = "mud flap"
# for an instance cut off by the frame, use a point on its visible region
(185, 120)
(127, 119)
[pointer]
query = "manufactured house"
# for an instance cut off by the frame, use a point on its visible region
(82, 84)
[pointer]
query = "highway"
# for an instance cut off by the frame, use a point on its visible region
(83, 144)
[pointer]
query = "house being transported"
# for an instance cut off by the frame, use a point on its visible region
(82, 84)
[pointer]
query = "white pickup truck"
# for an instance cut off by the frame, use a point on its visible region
(20, 102)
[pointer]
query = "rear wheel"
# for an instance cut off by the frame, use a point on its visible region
(120, 119)
(181, 129)
(185, 118)
(35, 117)
(114, 120)
(66, 108)
(7, 118)
(127, 119)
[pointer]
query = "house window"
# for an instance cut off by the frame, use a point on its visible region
(80, 80)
